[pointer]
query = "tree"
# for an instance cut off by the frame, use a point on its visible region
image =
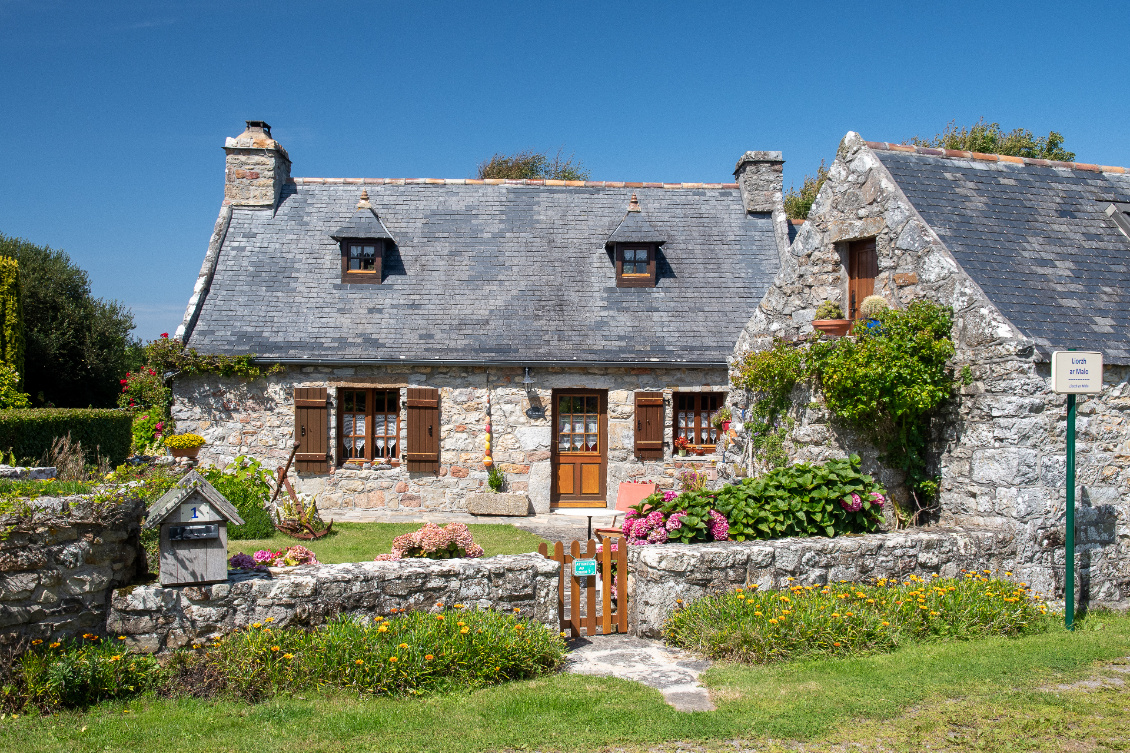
(989, 138)
(799, 203)
(530, 165)
(76, 345)
(11, 315)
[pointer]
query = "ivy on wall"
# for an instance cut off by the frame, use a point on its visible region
(11, 315)
(887, 382)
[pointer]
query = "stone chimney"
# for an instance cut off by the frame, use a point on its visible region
(760, 176)
(257, 167)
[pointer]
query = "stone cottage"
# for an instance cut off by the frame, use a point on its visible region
(588, 324)
(1033, 256)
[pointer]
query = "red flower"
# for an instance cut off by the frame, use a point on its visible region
(164, 334)
(122, 381)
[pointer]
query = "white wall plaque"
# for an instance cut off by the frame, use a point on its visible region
(197, 510)
(1077, 372)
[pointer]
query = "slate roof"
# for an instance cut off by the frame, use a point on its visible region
(1034, 235)
(505, 272)
(635, 228)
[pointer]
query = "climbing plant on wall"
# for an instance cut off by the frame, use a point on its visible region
(11, 315)
(887, 381)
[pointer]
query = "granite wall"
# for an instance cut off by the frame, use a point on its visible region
(59, 560)
(256, 418)
(155, 618)
(665, 574)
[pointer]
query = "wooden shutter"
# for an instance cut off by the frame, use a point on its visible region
(423, 430)
(311, 429)
(649, 425)
(863, 268)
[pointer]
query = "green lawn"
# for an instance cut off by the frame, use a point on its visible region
(993, 694)
(360, 542)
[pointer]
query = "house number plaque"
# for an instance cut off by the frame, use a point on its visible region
(535, 411)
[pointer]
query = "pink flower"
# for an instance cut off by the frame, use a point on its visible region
(877, 499)
(855, 505)
(675, 522)
(657, 536)
(668, 496)
(719, 526)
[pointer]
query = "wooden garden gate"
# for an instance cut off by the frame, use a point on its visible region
(604, 608)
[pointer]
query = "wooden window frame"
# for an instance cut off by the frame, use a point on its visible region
(362, 277)
(370, 413)
(697, 410)
(635, 280)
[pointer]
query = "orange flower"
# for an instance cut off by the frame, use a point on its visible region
(403, 645)
(439, 617)
(359, 661)
(392, 659)
(428, 657)
(275, 648)
(464, 630)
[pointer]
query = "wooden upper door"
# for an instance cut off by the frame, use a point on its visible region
(863, 268)
(580, 448)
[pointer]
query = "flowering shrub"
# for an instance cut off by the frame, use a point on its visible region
(264, 558)
(409, 653)
(692, 481)
(434, 542)
(147, 430)
(184, 441)
(245, 484)
(750, 625)
(76, 673)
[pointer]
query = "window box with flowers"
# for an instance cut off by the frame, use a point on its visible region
(184, 445)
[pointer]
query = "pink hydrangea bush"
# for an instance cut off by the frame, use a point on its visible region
(657, 527)
(434, 542)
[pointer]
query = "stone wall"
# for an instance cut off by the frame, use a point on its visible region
(256, 418)
(1000, 448)
(662, 575)
(155, 618)
(59, 561)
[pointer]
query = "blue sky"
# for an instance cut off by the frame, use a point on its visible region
(114, 113)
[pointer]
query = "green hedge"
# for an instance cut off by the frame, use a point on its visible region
(29, 432)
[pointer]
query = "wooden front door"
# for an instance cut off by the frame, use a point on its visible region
(580, 441)
(863, 268)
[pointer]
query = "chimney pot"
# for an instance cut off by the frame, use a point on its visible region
(258, 126)
(257, 167)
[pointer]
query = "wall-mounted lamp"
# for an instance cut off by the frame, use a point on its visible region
(527, 380)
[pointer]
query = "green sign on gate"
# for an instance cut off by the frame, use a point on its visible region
(584, 567)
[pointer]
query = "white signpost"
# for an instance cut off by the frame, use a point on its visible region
(1074, 372)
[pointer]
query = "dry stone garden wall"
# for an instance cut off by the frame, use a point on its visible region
(60, 558)
(1001, 445)
(256, 418)
(155, 618)
(664, 575)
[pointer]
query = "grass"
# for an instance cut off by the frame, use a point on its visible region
(992, 694)
(360, 542)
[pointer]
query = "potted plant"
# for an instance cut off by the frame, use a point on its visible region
(184, 445)
(495, 479)
(872, 306)
(830, 318)
(681, 445)
(721, 418)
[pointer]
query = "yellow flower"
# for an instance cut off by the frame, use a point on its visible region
(269, 619)
(788, 578)
(464, 630)
(116, 657)
(519, 627)
(382, 629)
(886, 624)
(517, 610)
(403, 645)
(257, 625)
(56, 644)
(392, 660)
(288, 656)
(773, 621)
(439, 617)
(934, 614)
(36, 642)
(757, 614)
(784, 598)
(439, 605)
(458, 606)
(870, 601)
(834, 614)
(359, 661)
(835, 644)
(849, 614)
(461, 624)
(562, 633)
(121, 637)
(275, 648)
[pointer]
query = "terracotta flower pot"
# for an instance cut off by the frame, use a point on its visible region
(184, 452)
(725, 426)
(834, 327)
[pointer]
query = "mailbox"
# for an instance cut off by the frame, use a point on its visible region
(193, 519)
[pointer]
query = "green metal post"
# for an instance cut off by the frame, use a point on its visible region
(1069, 585)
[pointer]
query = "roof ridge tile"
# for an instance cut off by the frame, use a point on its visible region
(885, 146)
(510, 182)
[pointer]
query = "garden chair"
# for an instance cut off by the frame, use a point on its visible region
(629, 494)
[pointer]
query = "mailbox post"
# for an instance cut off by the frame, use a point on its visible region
(193, 519)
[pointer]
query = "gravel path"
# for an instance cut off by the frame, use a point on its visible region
(671, 671)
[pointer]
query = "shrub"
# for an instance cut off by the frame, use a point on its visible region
(989, 138)
(532, 165)
(10, 396)
(433, 542)
(805, 499)
(77, 673)
(840, 619)
(11, 319)
(245, 484)
(184, 441)
(13, 488)
(413, 653)
(495, 479)
(30, 432)
(147, 429)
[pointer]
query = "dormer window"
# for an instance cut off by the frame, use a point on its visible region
(635, 244)
(635, 265)
(362, 242)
